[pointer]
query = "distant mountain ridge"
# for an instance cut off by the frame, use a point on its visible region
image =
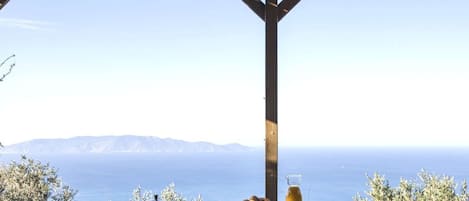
(118, 144)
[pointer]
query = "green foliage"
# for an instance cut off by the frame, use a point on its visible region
(168, 194)
(140, 195)
(429, 188)
(30, 180)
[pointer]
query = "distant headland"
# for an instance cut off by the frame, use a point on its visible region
(118, 144)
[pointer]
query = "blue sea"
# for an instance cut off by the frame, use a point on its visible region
(329, 174)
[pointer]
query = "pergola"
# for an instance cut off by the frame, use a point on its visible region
(3, 3)
(271, 13)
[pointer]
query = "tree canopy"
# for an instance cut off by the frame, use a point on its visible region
(30, 180)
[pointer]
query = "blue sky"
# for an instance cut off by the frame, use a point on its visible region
(351, 73)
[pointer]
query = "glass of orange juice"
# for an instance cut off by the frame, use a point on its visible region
(294, 193)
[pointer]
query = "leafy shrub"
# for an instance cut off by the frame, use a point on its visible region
(30, 180)
(140, 195)
(429, 188)
(168, 194)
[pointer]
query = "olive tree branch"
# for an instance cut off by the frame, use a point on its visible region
(9, 69)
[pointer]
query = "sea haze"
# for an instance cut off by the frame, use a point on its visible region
(329, 174)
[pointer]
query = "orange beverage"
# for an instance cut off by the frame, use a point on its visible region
(294, 192)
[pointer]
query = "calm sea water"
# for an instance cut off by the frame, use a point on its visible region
(329, 174)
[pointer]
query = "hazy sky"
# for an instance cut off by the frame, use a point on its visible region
(351, 73)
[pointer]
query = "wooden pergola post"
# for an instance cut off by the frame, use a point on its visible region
(3, 3)
(271, 13)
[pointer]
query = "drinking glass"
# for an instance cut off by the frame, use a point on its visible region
(294, 193)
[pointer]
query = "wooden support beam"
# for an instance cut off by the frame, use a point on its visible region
(271, 135)
(271, 13)
(257, 6)
(3, 3)
(286, 6)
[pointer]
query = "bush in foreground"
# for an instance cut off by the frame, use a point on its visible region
(429, 188)
(168, 194)
(30, 180)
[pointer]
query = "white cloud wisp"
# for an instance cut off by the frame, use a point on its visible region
(26, 24)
